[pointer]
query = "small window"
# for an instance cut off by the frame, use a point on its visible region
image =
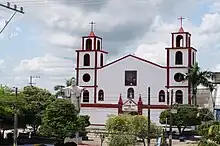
(161, 96)
(86, 77)
(179, 58)
(86, 96)
(179, 41)
(101, 95)
(130, 78)
(86, 60)
(179, 97)
(130, 93)
(179, 77)
(88, 44)
(101, 60)
(98, 45)
(193, 58)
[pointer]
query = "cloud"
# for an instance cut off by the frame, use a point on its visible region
(142, 27)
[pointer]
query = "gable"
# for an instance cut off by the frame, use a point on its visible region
(135, 58)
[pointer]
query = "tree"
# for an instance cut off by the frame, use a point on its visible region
(205, 115)
(126, 129)
(36, 101)
(196, 77)
(59, 88)
(59, 120)
(83, 122)
(187, 115)
(209, 131)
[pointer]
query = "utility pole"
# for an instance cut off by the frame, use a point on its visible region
(15, 118)
(13, 9)
(148, 118)
(171, 119)
(31, 80)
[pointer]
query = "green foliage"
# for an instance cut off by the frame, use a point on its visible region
(36, 101)
(210, 131)
(187, 115)
(8, 102)
(59, 119)
(205, 115)
(128, 128)
(196, 77)
(59, 88)
(82, 123)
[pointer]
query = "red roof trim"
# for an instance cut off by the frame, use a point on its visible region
(128, 101)
(135, 58)
(182, 48)
(92, 51)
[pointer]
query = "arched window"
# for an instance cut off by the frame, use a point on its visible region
(193, 58)
(179, 58)
(130, 93)
(86, 96)
(101, 60)
(179, 97)
(101, 95)
(86, 60)
(179, 41)
(161, 96)
(98, 45)
(88, 44)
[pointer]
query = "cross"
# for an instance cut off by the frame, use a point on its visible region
(181, 21)
(92, 25)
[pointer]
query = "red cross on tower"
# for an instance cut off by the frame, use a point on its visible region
(181, 24)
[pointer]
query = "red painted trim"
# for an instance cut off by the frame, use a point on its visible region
(91, 37)
(135, 58)
(181, 48)
(95, 75)
(168, 72)
(89, 86)
(99, 105)
(177, 86)
(92, 51)
(83, 44)
(178, 67)
(189, 65)
(155, 106)
(77, 71)
(181, 33)
(128, 101)
(89, 68)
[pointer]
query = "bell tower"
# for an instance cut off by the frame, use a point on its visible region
(90, 58)
(180, 57)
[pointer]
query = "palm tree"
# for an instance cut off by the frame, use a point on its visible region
(59, 88)
(196, 77)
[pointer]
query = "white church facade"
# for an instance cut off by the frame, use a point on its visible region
(121, 86)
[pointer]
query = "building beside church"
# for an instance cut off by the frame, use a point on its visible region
(121, 86)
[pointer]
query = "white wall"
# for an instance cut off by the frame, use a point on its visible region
(173, 54)
(98, 115)
(92, 59)
(111, 79)
(92, 75)
(173, 71)
(154, 115)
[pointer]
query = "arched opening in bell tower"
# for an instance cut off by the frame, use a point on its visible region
(86, 60)
(179, 58)
(101, 60)
(98, 45)
(88, 44)
(179, 41)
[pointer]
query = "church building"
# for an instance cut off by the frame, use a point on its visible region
(121, 86)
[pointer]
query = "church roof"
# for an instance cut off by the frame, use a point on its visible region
(135, 57)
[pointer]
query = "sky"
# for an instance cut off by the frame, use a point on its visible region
(42, 42)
